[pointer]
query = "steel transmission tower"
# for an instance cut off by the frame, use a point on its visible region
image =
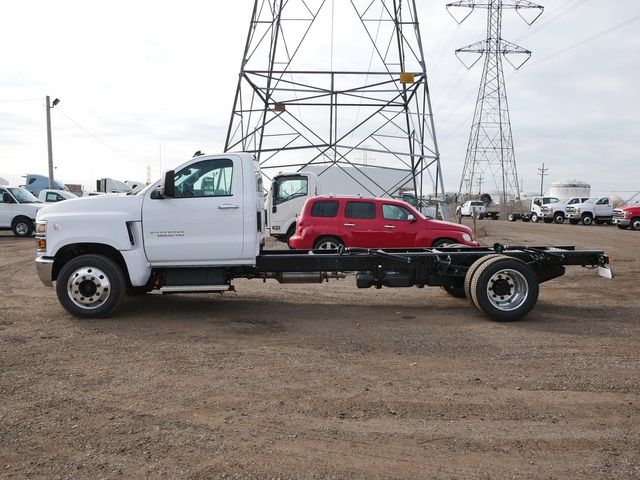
(338, 84)
(490, 150)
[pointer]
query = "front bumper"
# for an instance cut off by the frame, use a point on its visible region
(625, 222)
(44, 268)
(574, 215)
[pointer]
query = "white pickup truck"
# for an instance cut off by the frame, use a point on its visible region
(552, 209)
(203, 226)
(477, 208)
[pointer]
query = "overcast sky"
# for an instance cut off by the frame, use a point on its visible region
(147, 83)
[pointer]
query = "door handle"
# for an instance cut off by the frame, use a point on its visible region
(349, 224)
(226, 206)
(389, 226)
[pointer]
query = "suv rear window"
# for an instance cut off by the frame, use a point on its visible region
(324, 208)
(365, 210)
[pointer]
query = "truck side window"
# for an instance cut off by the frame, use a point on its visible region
(51, 197)
(324, 208)
(362, 210)
(288, 188)
(209, 178)
(394, 212)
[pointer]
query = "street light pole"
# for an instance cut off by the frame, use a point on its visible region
(49, 145)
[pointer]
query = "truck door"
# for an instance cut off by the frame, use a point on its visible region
(602, 208)
(288, 194)
(203, 223)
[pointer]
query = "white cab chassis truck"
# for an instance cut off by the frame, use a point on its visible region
(596, 209)
(202, 226)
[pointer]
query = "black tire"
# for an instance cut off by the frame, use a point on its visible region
(444, 242)
(587, 219)
(512, 217)
(635, 224)
(548, 220)
(623, 227)
(535, 217)
(22, 227)
(328, 243)
(526, 218)
(508, 301)
(454, 290)
(290, 233)
(558, 218)
(600, 222)
(472, 270)
(99, 278)
(574, 221)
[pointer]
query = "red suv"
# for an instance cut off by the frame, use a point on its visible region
(327, 222)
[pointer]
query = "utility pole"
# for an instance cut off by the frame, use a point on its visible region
(542, 172)
(480, 178)
(49, 143)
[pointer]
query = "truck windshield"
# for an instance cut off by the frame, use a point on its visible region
(592, 200)
(22, 195)
(286, 188)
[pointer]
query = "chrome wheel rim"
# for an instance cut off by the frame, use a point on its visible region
(507, 290)
(636, 225)
(22, 228)
(88, 287)
(328, 245)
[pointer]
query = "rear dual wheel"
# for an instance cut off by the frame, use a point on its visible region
(502, 287)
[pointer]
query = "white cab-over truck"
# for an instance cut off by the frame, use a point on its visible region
(202, 226)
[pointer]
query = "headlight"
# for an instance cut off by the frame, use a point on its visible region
(626, 215)
(41, 236)
(466, 237)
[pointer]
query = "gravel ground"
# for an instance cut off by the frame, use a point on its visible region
(327, 381)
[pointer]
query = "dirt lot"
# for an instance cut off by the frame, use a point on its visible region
(328, 381)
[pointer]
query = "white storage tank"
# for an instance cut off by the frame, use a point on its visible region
(570, 188)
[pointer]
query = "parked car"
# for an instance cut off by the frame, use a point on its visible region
(627, 216)
(18, 208)
(50, 196)
(328, 222)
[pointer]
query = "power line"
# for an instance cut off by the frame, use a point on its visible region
(95, 137)
(553, 19)
(589, 39)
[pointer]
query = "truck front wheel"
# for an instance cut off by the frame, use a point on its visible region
(558, 217)
(91, 286)
(534, 217)
(587, 219)
(635, 224)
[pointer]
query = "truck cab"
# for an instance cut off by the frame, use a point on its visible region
(208, 212)
(285, 199)
(627, 216)
(51, 196)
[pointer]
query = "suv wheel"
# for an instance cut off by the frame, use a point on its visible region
(328, 243)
